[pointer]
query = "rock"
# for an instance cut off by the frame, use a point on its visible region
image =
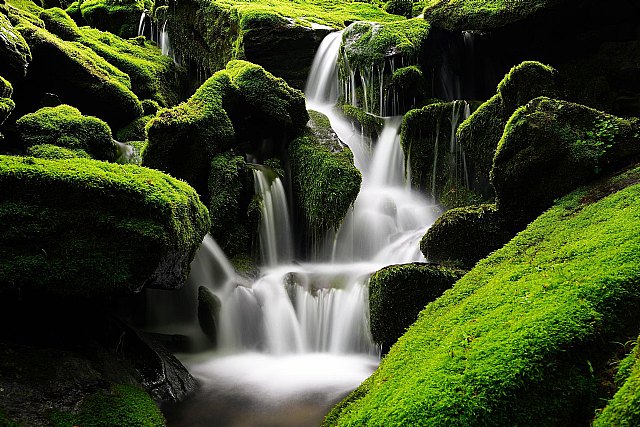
(399, 292)
(6, 103)
(136, 130)
(15, 55)
(208, 313)
(58, 22)
(464, 236)
(550, 147)
(66, 127)
(325, 180)
(89, 229)
(79, 78)
(367, 123)
(120, 17)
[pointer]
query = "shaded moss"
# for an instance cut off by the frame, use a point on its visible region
(120, 17)
(325, 180)
(464, 236)
(136, 130)
(54, 152)
(399, 292)
(550, 147)
(369, 124)
(59, 23)
(14, 51)
(66, 127)
(520, 338)
(400, 7)
(140, 227)
(6, 104)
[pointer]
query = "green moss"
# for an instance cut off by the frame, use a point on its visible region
(550, 147)
(54, 152)
(325, 180)
(6, 104)
(150, 107)
(59, 23)
(79, 78)
(399, 292)
(481, 14)
(520, 339)
(6, 421)
(14, 51)
(366, 43)
(400, 7)
(369, 124)
(135, 131)
(464, 236)
(120, 17)
(66, 127)
(527, 81)
(85, 228)
(123, 405)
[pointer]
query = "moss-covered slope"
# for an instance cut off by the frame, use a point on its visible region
(87, 228)
(518, 340)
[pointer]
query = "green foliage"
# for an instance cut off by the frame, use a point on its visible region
(66, 127)
(457, 15)
(464, 236)
(139, 227)
(368, 123)
(325, 180)
(54, 152)
(123, 405)
(6, 104)
(399, 292)
(59, 23)
(550, 147)
(519, 339)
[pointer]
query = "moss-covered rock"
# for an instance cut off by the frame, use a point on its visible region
(136, 130)
(15, 54)
(399, 292)
(368, 124)
(55, 152)
(481, 14)
(80, 78)
(66, 127)
(86, 228)
(6, 103)
(400, 7)
(208, 313)
(325, 179)
(120, 17)
(464, 236)
(439, 164)
(550, 147)
(521, 338)
(58, 22)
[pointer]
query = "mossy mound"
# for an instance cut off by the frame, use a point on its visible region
(464, 236)
(15, 54)
(624, 408)
(136, 130)
(439, 164)
(367, 123)
(80, 78)
(325, 179)
(521, 338)
(120, 17)
(66, 127)
(55, 152)
(6, 103)
(550, 147)
(399, 292)
(457, 15)
(139, 227)
(58, 22)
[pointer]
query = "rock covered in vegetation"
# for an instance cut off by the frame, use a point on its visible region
(6, 103)
(208, 313)
(55, 152)
(139, 228)
(58, 22)
(368, 124)
(120, 17)
(464, 236)
(521, 338)
(325, 180)
(80, 78)
(66, 127)
(550, 147)
(15, 54)
(399, 292)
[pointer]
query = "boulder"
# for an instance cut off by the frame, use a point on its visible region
(208, 313)
(15, 54)
(120, 17)
(88, 229)
(6, 103)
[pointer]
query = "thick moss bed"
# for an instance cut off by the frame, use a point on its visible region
(6, 103)
(520, 339)
(481, 14)
(324, 177)
(86, 228)
(399, 292)
(119, 17)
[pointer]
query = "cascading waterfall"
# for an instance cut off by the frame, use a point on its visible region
(298, 336)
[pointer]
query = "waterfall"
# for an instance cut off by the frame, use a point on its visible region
(163, 41)
(141, 25)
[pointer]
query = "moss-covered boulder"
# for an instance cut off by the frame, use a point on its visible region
(136, 130)
(325, 180)
(85, 228)
(550, 147)
(464, 236)
(440, 166)
(15, 54)
(6, 103)
(80, 78)
(58, 22)
(367, 123)
(481, 14)
(120, 17)
(66, 127)
(522, 338)
(55, 152)
(399, 292)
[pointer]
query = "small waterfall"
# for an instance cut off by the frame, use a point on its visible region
(163, 41)
(276, 243)
(141, 25)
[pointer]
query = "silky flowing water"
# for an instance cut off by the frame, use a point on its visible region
(296, 341)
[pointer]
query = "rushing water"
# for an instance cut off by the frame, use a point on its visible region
(296, 340)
